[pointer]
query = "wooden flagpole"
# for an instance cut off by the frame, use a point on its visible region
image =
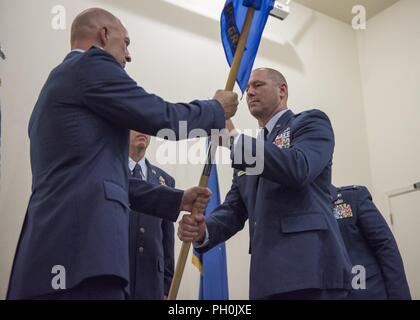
(230, 84)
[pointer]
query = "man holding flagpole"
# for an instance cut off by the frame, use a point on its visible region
(295, 245)
(74, 240)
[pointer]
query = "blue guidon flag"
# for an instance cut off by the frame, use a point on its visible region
(232, 21)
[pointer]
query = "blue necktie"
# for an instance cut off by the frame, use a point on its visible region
(265, 134)
(137, 172)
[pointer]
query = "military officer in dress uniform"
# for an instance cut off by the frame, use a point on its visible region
(151, 238)
(74, 239)
(295, 244)
(370, 244)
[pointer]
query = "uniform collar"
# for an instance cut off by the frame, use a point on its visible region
(274, 120)
(79, 51)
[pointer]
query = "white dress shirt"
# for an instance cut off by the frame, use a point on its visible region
(271, 123)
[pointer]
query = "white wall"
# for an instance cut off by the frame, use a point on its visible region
(389, 52)
(177, 53)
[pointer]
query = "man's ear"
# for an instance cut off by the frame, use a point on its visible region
(104, 35)
(283, 90)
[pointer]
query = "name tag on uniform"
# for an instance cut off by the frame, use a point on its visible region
(282, 140)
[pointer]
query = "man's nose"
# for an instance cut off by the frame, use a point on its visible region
(128, 57)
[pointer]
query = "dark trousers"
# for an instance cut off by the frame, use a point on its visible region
(97, 288)
(312, 294)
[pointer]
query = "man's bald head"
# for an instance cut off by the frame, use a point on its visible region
(89, 22)
(98, 27)
(267, 94)
(275, 75)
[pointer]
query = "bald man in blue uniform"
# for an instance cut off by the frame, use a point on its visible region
(74, 240)
(295, 245)
(370, 244)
